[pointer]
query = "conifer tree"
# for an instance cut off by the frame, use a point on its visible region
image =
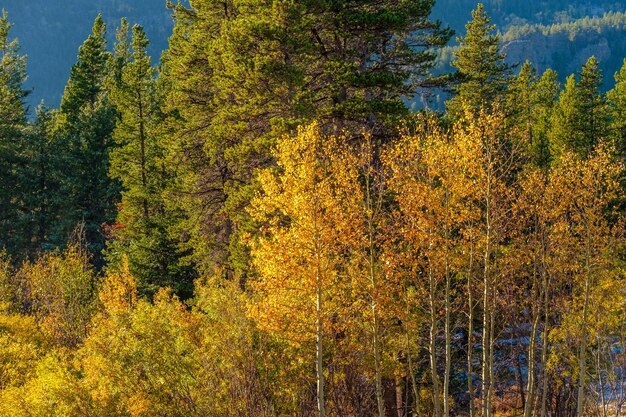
(617, 100)
(581, 119)
(546, 92)
(142, 231)
(530, 102)
(245, 73)
(39, 180)
(85, 125)
(12, 124)
(480, 61)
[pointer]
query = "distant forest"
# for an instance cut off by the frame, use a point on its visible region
(563, 46)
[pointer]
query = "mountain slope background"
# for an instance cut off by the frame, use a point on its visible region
(558, 34)
(50, 32)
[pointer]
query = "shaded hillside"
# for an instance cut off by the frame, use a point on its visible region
(564, 47)
(50, 32)
(506, 13)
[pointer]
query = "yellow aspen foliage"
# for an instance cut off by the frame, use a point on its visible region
(139, 362)
(301, 248)
(590, 236)
(370, 342)
(22, 344)
(59, 289)
(301, 291)
(53, 391)
(119, 290)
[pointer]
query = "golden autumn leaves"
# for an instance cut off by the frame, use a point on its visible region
(379, 272)
(372, 255)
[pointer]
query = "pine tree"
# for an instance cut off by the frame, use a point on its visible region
(581, 119)
(142, 229)
(617, 100)
(38, 185)
(243, 76)
(546, 94)
(12, 125)
(84, 128)
(530, 102)
(480, 61)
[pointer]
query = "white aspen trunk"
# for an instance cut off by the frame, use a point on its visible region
(319, 354)
(416, 397)
(582, 346)
(491, 355)
(470, 336)
(487, 301)
(486, 337)
(432, 349)
(447, 330)
(446, 376)
(530, 386)
(536, 309)
(380, 400)
(544, 351)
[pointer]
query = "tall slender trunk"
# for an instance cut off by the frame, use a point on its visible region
(416, 397)
(319, 329)
(380, 400)
(535, 308)
(446, 375)
(319, 353)
(470, 336)
(447, 307)
(544, 351)
(432, 348)
(582, 346)
(486, 336)
(492, 339)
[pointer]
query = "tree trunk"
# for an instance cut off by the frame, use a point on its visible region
(470, 336)
(530, 387)
(446, 375)
(319, 353)
(582, 346)
(432, 348)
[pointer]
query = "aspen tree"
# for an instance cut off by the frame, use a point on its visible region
(306, 207)
(590, 187)
(491, 159)
(433, 200)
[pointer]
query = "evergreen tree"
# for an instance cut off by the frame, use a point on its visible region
(38, 185)
(142, 229)
(546, 92)
(582, 118)
(121, 55)
(86, 122)
(85, 83)
(480, 61)
(244, 73)
(12, 124)
(530, 102)
(617, 100)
